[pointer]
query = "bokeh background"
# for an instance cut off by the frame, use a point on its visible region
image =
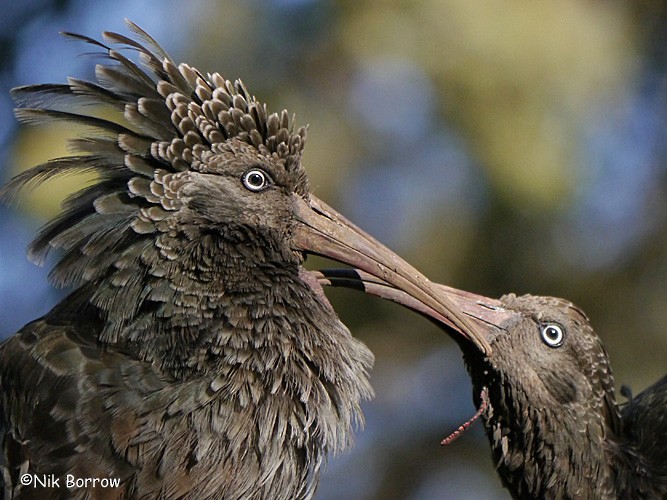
(499, 146)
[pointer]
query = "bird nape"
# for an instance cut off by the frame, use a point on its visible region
(196, 357)
(546, 394)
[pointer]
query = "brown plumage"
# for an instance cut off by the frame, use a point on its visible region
(196, 357)
(546, 392)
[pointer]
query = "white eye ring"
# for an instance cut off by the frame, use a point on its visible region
(552, 334)
(256, 179)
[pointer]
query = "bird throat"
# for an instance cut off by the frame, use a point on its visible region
(546, 453)
(183, 302)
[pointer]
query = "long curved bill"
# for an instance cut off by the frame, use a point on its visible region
(320, 230)
(488, 316)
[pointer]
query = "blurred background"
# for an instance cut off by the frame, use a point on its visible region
(499, 146)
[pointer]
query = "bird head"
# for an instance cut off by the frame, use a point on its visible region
(194, 167)
(548, 362)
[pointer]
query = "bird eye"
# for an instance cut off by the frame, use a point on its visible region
(552, 334)
(256, 179)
